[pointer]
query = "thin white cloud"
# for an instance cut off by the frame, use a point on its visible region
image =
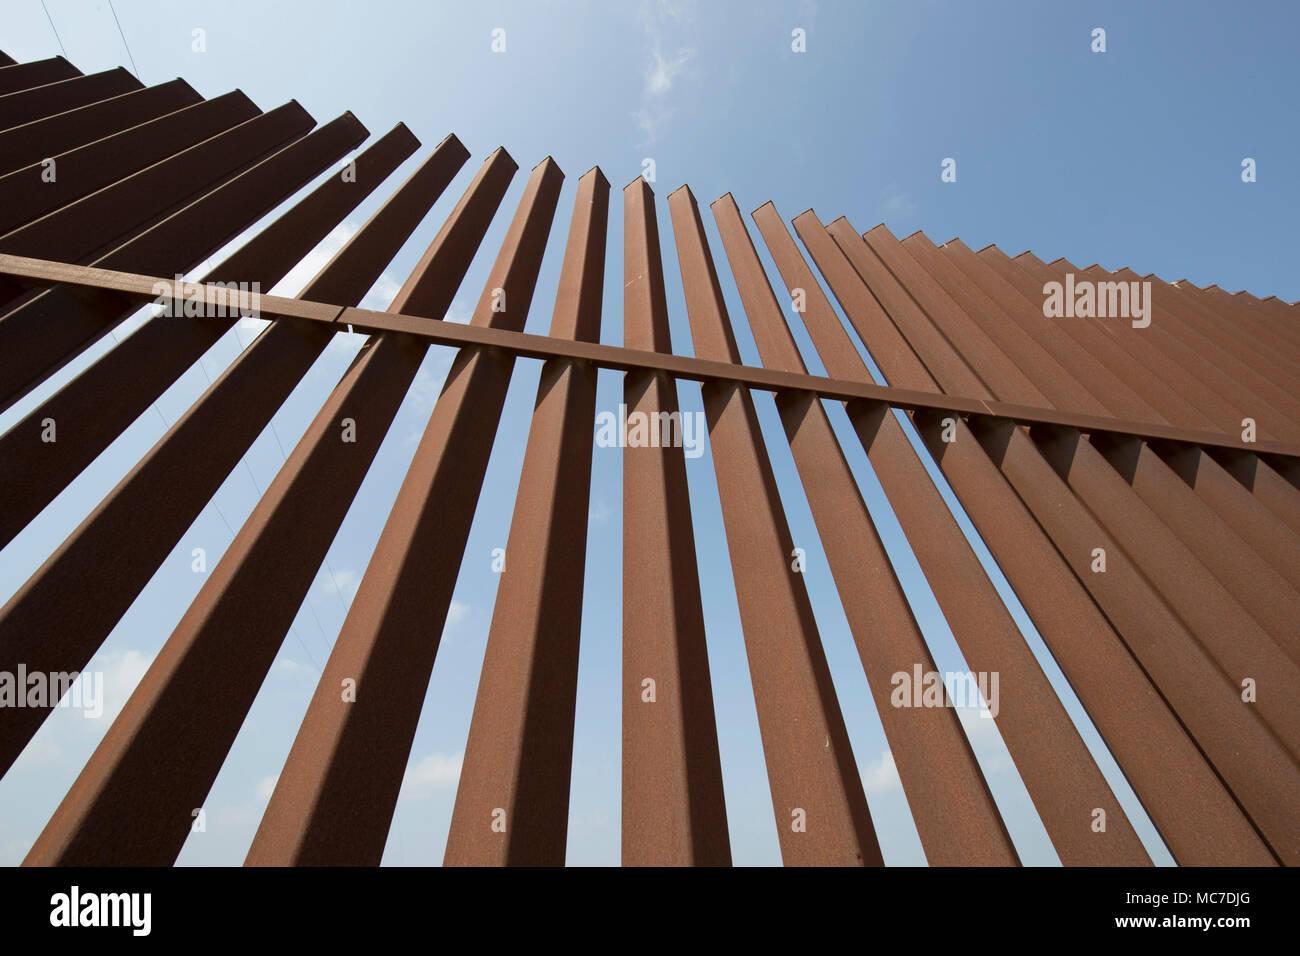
(266, 787)
(458, 611)
(343, 582)
(881, 776)
(438, 771)
(898, 204)
(663, 70)
(288, 666)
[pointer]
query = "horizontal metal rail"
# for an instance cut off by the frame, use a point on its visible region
(142, 288)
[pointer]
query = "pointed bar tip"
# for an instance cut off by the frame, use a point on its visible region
(598, 173)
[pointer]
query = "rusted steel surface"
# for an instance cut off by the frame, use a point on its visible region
(25, 76)
(1232, 502)
(152, 506)
(146, 363)
(951, 805)
(53, 98)
(104, 228)
(192, 701)
(817, 797)
(141, 288)
(79, 172)
(1233, 637)
(32, 142)
(1062, 440)
(1069, 623)
(1265, 801)
(520, 748)
(335, 799)
(1212, 540)
(673, 809)
(1060, 774)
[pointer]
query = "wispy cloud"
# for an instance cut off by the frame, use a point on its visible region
(662, 69)
(881, 776)
(897, 204)
(438, 771)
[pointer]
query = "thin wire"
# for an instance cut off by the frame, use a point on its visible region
(123, 36)
(222, 515)
(54, 28)
(284, 458)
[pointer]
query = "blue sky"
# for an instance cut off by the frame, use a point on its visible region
(1127, 158)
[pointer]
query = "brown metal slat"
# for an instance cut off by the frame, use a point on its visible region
(24, 76)
(1209, 354)
(140, 368)
(1155, 389)
(1267, 322)
(1226, 628)
(1274, 316)
(338, 789)
(6, 59)
(32, 142)
(1058, 770)
(1068, 622)
(519, 754)
(1214, 542)
(43, 334)
(673, 811)
(25, 196)
(1250, 519)
(53, 98)
(1261, 480)
(1249, 358)
(147, 511)
(144, 289)
(189, 707)
(1055, 763)
(1127, 600)
(85, 230)
(1200, 379)
(817, 798)
(954, 812)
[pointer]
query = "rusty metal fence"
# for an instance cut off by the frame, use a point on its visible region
(1137, 486)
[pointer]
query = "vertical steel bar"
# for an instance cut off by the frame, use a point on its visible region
(142, 367)
(1201, 695)
(150, 508)
(673, 808)
(520, 749)
(54, 98)
(26, 195)
(1215, 543)
(24, 76)
(336, 795)
(32, 142)
(191, 703)
(952, 807)
(1235, 639)
(1062, 778)
(817, 797)
(1244, 513)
